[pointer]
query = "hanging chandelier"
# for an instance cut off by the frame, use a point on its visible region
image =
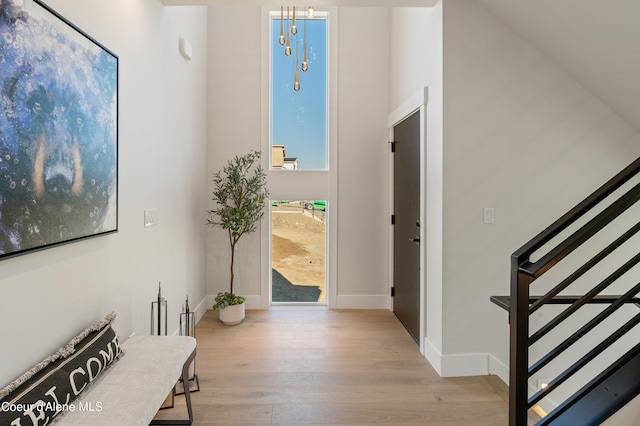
(291, 31)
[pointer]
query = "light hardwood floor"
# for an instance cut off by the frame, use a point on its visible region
(301, 366)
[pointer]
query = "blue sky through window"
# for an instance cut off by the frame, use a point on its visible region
(299, 119)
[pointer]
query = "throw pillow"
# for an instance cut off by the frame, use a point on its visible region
(50, 387)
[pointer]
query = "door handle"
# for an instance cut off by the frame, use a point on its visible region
(415, 239)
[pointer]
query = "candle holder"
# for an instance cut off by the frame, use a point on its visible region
(158, 311)
(159, 307)
(188, 328)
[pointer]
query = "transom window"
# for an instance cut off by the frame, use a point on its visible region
(299, 90)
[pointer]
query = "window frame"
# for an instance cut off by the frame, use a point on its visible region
(274, 15)
(317, 184)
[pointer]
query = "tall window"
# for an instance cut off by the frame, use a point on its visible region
(299, 135)
(299, 117)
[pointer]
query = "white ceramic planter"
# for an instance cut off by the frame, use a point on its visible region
(232, 314)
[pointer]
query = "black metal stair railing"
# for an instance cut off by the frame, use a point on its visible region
(521, 304)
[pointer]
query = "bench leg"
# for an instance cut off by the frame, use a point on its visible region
(187, 397)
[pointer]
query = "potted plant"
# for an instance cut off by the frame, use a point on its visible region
(240, 191)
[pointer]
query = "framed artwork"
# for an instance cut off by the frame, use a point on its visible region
(58, 131)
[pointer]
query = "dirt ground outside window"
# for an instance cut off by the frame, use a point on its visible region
(298, 252)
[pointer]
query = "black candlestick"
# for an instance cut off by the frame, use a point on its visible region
(188, 319)
(161, 305)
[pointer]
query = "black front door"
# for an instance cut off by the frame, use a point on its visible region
(406, 231)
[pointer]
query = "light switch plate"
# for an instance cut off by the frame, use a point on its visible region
(186, 50)
(150, 217)
(488, 215)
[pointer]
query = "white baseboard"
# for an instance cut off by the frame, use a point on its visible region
(198, 311)
(433, 355)
(499, 369)
(460, 365)
(202, 307)
(343, 302)
(253, 302)
(358, 301)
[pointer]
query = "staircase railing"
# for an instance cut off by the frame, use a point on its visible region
(590, 217)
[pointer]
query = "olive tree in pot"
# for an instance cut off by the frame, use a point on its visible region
(240, 191)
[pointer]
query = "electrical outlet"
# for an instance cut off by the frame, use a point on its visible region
(150, 217)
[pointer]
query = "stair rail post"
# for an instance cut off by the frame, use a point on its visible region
(519, 344)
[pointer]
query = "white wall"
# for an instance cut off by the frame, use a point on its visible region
(547, 136)
(363, 145)
(234, 118)
(512, 121)
(238, 123)
(48, 296)
(520, 136)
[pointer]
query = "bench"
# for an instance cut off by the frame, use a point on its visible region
(95, 380)
(132, 391)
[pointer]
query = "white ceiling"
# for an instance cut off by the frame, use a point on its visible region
(596, 42)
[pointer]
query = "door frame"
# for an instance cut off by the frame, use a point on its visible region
(416, 102)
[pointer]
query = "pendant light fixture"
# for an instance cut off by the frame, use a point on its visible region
(292, 31)
(296, 83)
(294, 25)
(305, 64)
(281, 39)
(287, 48)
